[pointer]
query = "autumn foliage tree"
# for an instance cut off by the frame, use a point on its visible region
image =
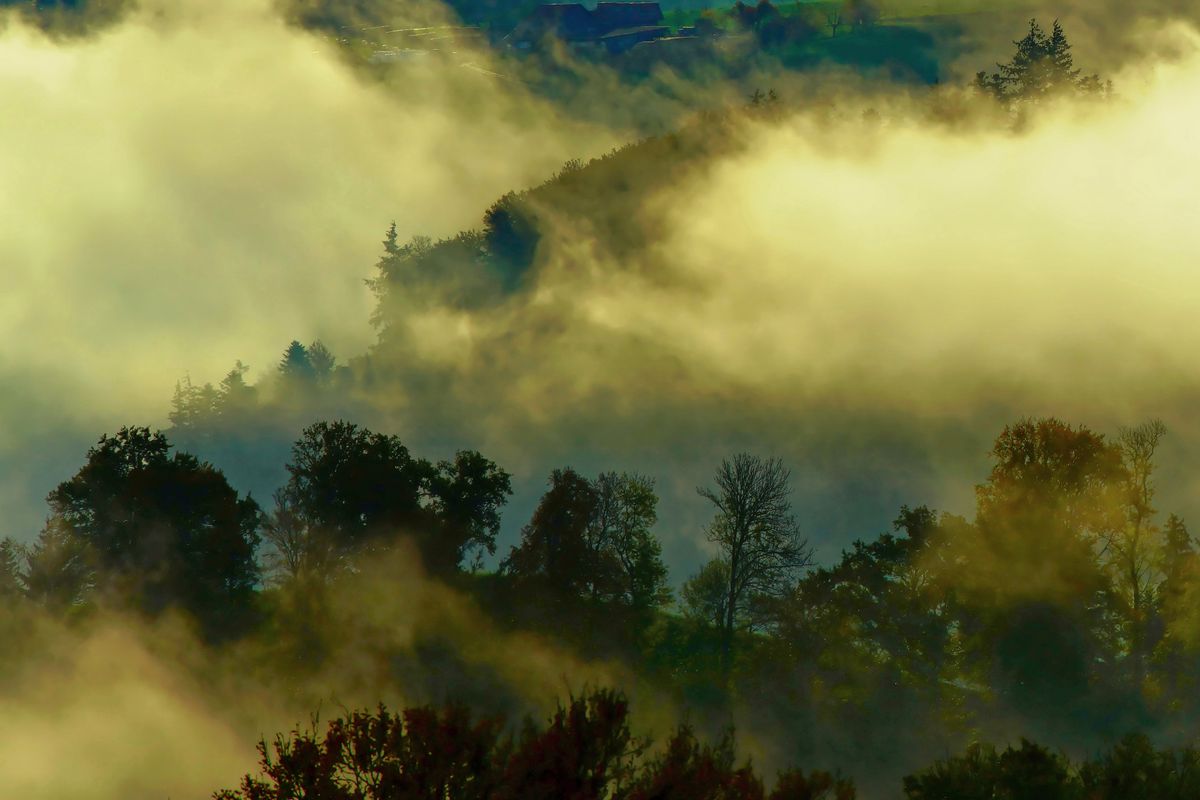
(584, 751)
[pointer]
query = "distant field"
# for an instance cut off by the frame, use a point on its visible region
(916, 41)
(903, 9)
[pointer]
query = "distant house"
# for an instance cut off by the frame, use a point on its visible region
(613, 16)
(616, 26)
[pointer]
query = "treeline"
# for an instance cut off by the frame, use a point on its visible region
(586, 751)
(1065, 606)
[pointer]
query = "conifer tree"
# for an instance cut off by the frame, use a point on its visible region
(1042, 66)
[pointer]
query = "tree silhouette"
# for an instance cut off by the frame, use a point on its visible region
(584, 751)
(58, 571)
(420, 753)
(757, 536)
(1030, 772)
(554, 545)
(1042, 66)
(706, 594)
(689, 768)
(592, 539)
(298, 550)
(466, 497)
(1132, 551)
(295, 364)
(166, 530)
(511, 233)
(322, 362)
(622, 542)
(353, 489)
(1133, 768)
(1033, 589)
(201, 412)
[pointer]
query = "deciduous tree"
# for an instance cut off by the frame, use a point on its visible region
(756, 534)
(166, 530)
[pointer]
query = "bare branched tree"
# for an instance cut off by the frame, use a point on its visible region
(757, 534)
(1133, 550)
(297, 550)
(834, 18)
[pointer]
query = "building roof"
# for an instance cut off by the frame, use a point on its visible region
(610, 15)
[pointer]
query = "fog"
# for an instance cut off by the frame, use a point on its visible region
(869, 292)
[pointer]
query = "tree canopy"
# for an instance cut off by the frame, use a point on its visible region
(165, 528)
(1042, 67)
(351, 489)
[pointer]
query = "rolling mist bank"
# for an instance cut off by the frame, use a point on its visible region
(550, 296)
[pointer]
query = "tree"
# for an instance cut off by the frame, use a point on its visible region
(12, 582)
(767, 23)
(353, 489)
(298, 550)
(419, 753)
(197, 411)
(1133, 768)
(757, 535)
(817, 785)
(1132, 550)
(780, 29)
(1174, 649)
(1042, 66)
(584, 751)
(386, 270)
(1034, 591)
(688, 768)
(592, 539)
(883, 593)
(11, 553)
(745, 15)
(322, 362)
(706, 593)
(192, 406)
(620, 534)
(354, 485)
(1054, 495)
(236, 394)
(295, 364)
(511, 233)
(554, 545)
(467, 495)
(1030, 772)
(165, 530)
(58, 571)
